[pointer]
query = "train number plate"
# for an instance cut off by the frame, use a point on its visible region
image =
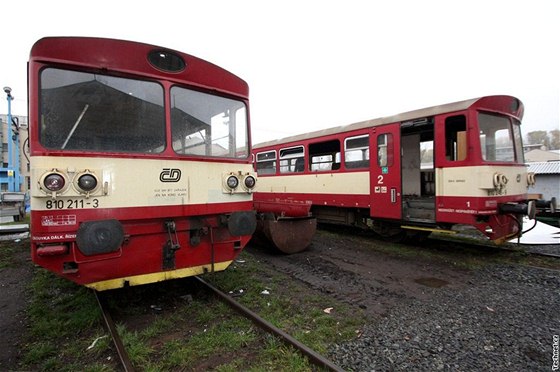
(72, 204)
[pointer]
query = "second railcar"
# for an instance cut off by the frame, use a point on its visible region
(406, 175)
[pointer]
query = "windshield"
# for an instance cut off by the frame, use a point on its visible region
(208, 125)
(83, 111)
(500, 138)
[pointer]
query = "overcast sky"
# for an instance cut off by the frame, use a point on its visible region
(318, 64)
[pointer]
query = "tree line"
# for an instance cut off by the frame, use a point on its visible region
(551, 139)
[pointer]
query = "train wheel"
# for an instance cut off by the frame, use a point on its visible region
(390, 232)
(406, 236)
(416, 237)
(397, 237)
(394, 233)
(288, 235)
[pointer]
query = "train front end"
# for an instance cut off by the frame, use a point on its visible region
(486, 183)
(140, 166)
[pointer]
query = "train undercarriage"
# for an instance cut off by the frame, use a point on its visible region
(291, 231)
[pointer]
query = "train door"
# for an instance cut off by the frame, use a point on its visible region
(418, 177)
(385, 174)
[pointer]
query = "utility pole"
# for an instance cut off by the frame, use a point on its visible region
(13, 145)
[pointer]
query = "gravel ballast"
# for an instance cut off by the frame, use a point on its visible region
(504, 319)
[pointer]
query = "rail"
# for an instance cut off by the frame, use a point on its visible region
(313, 356)
(123, 355)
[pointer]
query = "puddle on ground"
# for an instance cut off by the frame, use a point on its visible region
(431, 282)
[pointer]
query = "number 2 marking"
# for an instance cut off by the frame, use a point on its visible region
(380, 180)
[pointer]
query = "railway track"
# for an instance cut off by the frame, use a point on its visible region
(468, 240)
(473, 243)
(121, 351)
(544, 254)
(314, 357)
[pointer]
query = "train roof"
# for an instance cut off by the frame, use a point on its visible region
(410, 115)
(124, 56)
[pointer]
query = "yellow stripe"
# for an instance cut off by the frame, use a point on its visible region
(156, 277)
(429, 229)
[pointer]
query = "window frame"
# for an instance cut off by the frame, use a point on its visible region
(365, 151)
(289, 157)
(231, 151)
(273, 161)
(114, 83)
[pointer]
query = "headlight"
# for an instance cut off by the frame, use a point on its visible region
(87, 182)
(250, 182)
(232, 182)
(54, 182)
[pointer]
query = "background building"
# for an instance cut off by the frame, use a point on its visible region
(547, 176)
(6, 131)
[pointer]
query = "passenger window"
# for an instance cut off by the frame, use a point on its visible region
(385, 150)
(324, 156)
(292, 160)
(456, 138)
(266, 162)
(356, 152)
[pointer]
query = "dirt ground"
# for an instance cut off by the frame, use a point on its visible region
(13, 282)
(350, 269)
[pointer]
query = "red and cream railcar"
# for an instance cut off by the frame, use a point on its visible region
(408, 174)
(140, 162)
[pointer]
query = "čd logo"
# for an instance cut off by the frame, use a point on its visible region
(170, 175)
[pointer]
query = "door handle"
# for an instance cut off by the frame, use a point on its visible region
(393, 194)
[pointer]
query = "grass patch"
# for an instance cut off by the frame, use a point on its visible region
(7, 252)
(60, 308)
(289, 307)
(10, 248)
(175, 325)
(186, 335)
(198, 331)
(64, 320)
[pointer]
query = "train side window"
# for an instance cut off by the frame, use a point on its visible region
(385, 150)
(456, 138)
(356, 152)
(292, 160)
(324, 156)
(266, 162)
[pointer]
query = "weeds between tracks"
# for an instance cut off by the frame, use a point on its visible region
(176, 324)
